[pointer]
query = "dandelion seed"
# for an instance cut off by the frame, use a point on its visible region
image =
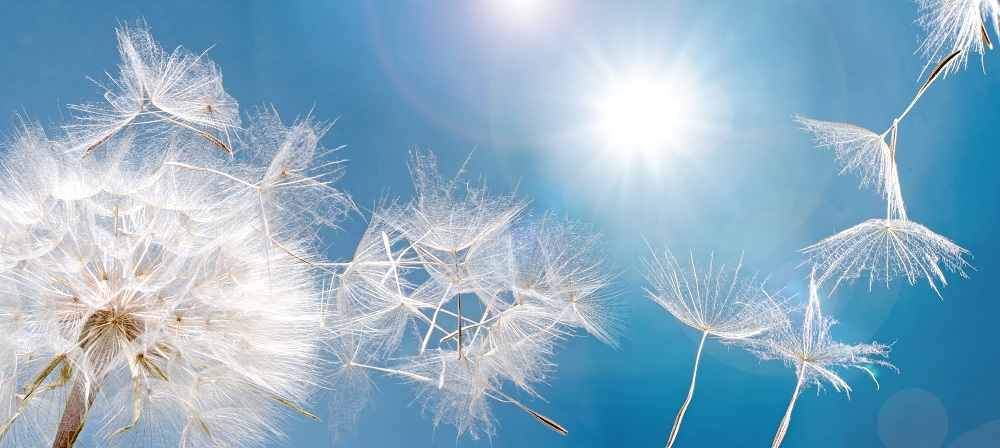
(300, 176)
(291, 175)
(866, 153)
(454, 224)
(857, 150)
(559, 264)
(158, 93)
(813, 354)
(491, 289)
(886, 249)
(957, 25)
(718, 301)
(353, 391)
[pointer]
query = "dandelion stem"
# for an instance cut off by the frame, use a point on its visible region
(292, 254)
(74, 415)
(450, 313)
(983, 34)
(487, 318)
(680, 415)
(421, 316)
(890, 180)
(788, 414)
(388, 253)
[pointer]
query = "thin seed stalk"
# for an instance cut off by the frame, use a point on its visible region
(934, 74)
(437, 310)
(788, 414)
(890, 179)
(680, 415)
(460, 326)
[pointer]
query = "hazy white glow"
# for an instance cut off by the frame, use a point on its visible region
(641, 114)
(521, 12)
(521, 6)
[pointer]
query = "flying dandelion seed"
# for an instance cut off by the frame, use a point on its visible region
(885, 248)
(813, 354)
(865, 153)
(718, 301)
(861, 152)
(957, 25)
(148, 295)
(490, 288)
(179, 92)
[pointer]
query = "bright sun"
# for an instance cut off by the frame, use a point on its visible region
(649, 119)
(641, 115)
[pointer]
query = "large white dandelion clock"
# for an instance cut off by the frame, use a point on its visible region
(148, 297)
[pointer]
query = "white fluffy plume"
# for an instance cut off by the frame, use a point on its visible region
(155, 291)
(489, 289)
(957, 25)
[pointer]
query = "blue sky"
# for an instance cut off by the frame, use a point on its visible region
(736, 176)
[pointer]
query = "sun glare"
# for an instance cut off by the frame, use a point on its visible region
(647, 116)
(647, 122)
(641, 114)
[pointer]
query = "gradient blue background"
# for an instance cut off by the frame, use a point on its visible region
(453, 75)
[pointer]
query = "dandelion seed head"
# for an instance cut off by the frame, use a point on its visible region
(144, 299)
